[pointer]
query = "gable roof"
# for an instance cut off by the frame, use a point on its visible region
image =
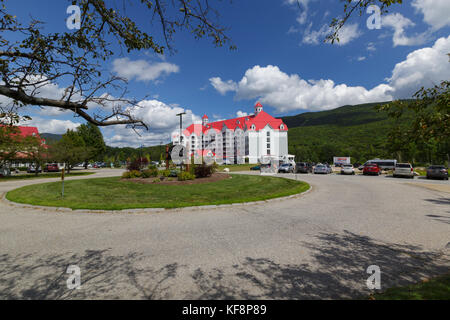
(260, 121)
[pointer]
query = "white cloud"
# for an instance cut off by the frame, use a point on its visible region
(241, 113)
(371, 47)
(289, 92)
(315, 36)
(302, 6)
(422, 67)
(221, 86)
(142, 70)
(162, 121)
(362, 58)
(56, 126)
(346, 34)
(399, 23)
(303, 16)
(436, 13)
(270, 85)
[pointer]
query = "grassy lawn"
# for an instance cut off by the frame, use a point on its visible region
(237, 167)
(43, 175)
(434, 289)
(116, 194)
(422, 172)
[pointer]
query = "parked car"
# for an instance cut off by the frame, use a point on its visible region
(371, 169)
(330, 170)
(403, 170)
(51, 167)
(382, 164)
(303, 167)
(347, 169)
(321, 169)
(437, 171)
(255, 168)
(32, 169)
(286, 168)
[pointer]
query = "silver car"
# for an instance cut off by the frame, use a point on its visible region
(286, 168)
(404, 170)
(321, 169)
(347, 169)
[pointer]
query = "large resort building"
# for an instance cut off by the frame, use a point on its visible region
(239, 140)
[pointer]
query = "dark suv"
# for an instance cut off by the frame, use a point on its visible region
(303, 167)
(437, 171)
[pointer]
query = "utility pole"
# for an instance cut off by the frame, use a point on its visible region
(181, 129)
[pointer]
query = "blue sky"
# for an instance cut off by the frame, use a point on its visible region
(280, 60)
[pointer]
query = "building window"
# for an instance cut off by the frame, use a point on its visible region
(268, 151)
(268, 146)
(268, 133)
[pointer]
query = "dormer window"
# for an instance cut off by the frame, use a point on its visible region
(253, 127)
(282, 127)
(238, 122)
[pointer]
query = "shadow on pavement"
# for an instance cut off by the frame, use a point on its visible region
(336, 270)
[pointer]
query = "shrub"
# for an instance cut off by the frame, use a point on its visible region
(151, 172)
(137, 164)
(203, 170)
(174, 173)
(126, 175)
(183, 176)
(165, 173)
(135, 174)
(156, 180)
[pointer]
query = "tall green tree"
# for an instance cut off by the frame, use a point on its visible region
(430, 125)
(93, 141)
(71, 149)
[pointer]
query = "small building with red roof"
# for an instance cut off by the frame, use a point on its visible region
(234, 140)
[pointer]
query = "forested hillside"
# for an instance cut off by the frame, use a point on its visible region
(358, 131)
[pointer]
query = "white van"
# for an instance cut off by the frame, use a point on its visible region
(383, 164)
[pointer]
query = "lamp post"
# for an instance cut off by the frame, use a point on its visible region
(181, 128)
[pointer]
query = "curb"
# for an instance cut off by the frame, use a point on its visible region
(150, 210)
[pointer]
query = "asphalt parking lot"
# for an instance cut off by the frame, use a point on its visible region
(316, 246)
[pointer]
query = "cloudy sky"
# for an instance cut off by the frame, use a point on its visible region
(281, 61)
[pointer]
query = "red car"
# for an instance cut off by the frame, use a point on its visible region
(51, 168)
(372, 169)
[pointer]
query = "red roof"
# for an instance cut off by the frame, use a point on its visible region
(25, 132)
(260, 121)
(28, 131)
(205, 116)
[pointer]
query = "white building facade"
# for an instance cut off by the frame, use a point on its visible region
(238, 140)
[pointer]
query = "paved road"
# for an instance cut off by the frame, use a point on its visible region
(316, 246)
